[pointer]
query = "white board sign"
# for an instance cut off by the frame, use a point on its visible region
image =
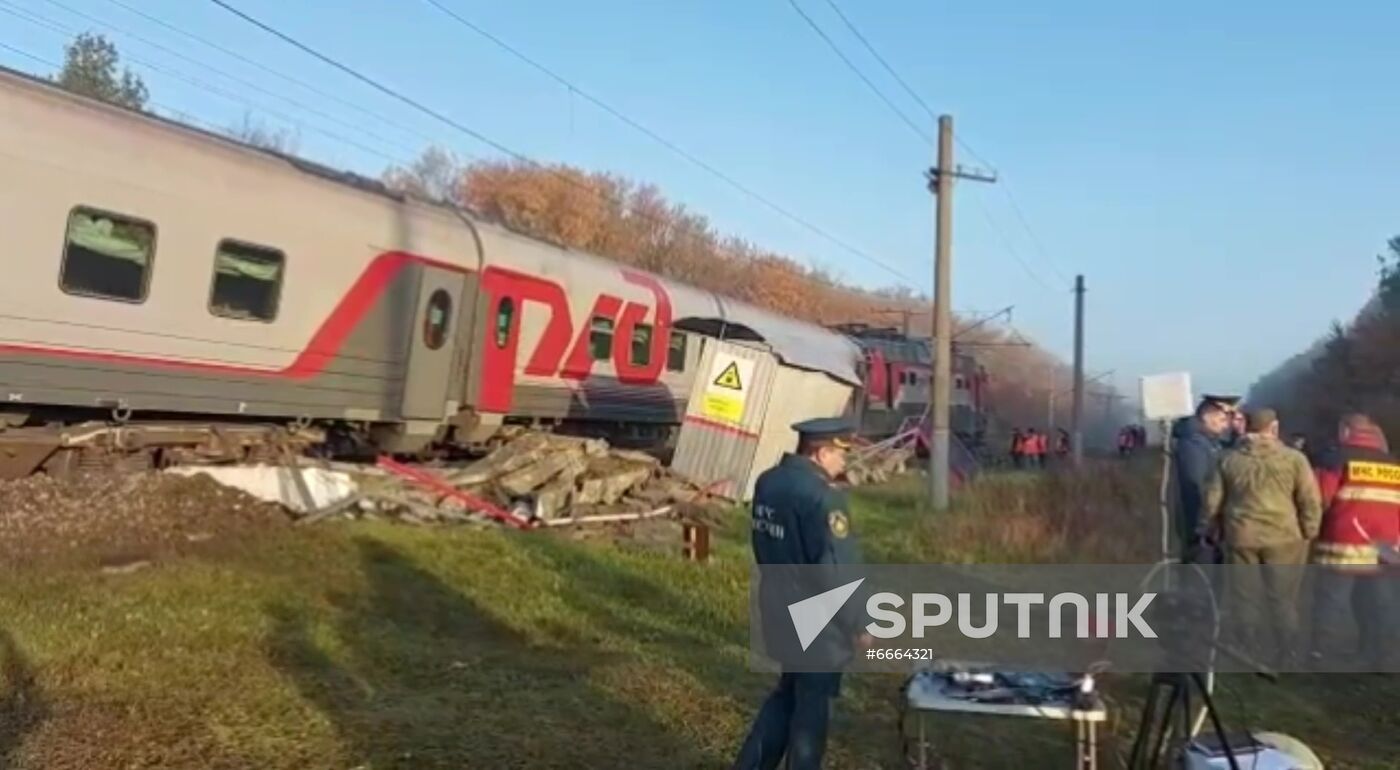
(1167, 396)
(727, 387)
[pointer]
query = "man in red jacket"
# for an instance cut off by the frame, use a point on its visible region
(1360, 485)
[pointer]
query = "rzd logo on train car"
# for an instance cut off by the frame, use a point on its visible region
(563, 351)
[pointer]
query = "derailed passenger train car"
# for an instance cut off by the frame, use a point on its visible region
(171, 291)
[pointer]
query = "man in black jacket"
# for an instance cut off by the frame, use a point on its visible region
(1195, 452)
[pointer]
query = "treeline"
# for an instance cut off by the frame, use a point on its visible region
(1355, 367)
(635, 224)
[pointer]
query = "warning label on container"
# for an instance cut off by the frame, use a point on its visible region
(727, 388)
(730, 378)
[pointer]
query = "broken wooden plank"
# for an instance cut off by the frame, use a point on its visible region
(612, 517)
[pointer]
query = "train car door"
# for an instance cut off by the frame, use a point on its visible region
(432, 377)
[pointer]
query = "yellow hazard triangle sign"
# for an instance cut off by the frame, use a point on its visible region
(729, 378)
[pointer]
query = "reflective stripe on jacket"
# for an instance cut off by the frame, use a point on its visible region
(1360, 484)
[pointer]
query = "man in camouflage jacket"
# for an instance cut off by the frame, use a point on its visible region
(1264, 507)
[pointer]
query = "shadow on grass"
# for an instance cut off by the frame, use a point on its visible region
(22, 708)
(414, 674)
(693, 651)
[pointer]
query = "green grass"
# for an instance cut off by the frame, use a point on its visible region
(377, 646)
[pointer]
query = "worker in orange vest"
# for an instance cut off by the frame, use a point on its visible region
(1035, 448)
(1018, 447)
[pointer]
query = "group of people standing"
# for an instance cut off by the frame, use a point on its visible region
(1248, 499)
(1029, 447)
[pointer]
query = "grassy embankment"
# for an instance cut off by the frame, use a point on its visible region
(379, 646)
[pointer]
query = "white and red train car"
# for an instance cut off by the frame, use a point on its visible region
(164, 286)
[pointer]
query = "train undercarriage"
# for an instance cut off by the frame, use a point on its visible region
(62, 441)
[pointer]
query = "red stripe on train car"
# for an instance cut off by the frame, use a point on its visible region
(325, 343)
(720, 426)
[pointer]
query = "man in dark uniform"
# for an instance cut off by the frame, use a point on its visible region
(801, 518)
(1196, 444)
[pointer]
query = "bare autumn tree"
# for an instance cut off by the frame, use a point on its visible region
(253, 131)
(435, 175)
(92, 67)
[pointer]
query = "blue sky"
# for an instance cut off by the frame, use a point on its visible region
(1222, 173)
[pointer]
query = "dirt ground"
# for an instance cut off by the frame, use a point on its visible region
(119, 521)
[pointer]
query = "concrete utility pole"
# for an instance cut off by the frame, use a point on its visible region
(941, 183)
(1077, 415)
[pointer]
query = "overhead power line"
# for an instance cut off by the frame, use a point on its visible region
(29, 56)
(1006, 189)
(299, 104)
(854, 31)
(1035, 240)
(184, 116)
(870, 48)
(875, 53)
(1011, 247)
(923, 134)
(376, 115)
(488, 141)
(653, 135)
(60, 29)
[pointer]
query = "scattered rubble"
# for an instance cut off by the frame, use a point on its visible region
(123, 522)
(536, 479)
(882, 461)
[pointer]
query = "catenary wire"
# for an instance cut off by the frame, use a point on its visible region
(669, 144)
(475, 134)
(376, 115)
(923, 134)
(923, 104)
(234, 78)
(208, 87)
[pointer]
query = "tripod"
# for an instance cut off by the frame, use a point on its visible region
(1168, 699)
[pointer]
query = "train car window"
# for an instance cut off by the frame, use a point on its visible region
(107, 256)
(437, 319)
(675, 352)
(247, 281)
(505, 315)
(600, 338)
(641, 345)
